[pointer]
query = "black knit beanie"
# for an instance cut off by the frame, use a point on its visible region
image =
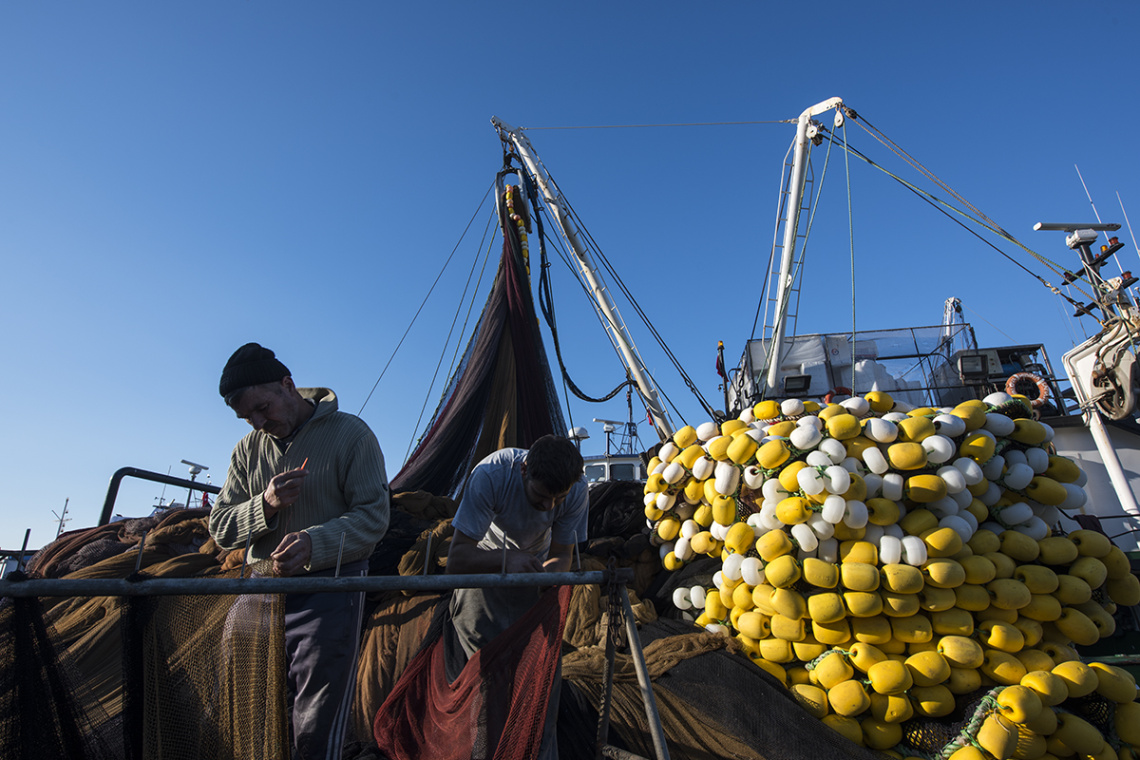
(251, 365)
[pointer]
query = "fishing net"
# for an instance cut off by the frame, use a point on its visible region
(40, 714)
(496, 706)
(133, 677)
(181, 531)
(713, 703)
(502, 394)
(928, 737)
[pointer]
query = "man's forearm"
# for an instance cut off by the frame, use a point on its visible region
(467, 559)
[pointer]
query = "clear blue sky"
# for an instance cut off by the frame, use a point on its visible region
(178, 179)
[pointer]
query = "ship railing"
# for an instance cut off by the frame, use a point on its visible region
(139, 585)
(154, 477)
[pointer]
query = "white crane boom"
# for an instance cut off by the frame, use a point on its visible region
(796, 183)
(614, 323)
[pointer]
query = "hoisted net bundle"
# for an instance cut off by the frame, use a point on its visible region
(502, 393)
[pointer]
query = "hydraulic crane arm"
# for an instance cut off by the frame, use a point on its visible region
(605, 304)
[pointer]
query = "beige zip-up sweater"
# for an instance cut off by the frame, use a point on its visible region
(346, 490)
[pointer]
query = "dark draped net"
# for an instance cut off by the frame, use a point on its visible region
(502, 393)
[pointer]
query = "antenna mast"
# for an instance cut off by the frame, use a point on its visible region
(63, 518)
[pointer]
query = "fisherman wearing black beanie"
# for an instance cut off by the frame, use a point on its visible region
(307, 492)
(251, 364)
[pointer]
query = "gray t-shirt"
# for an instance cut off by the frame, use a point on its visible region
(495, 507)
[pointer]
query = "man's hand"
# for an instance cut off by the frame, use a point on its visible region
(292, 554)
(559, 558)
(465, 556)
(521, 562)
(283, 490)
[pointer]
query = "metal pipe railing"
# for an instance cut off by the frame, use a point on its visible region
(145, 586)
(154, 477)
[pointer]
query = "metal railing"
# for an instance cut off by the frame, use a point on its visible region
(142, 585)
(154, 477)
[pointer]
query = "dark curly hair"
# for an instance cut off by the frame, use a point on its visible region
(555, 462)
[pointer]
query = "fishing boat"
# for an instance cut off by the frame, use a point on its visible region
(504, 396)
(774, 503)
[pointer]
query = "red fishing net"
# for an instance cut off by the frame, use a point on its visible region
(495, 709)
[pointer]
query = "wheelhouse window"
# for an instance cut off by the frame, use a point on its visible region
(624, 471)
(595, 473)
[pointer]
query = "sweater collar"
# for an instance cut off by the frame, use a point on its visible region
(325, 398)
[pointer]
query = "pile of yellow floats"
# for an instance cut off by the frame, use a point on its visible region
(883, 561)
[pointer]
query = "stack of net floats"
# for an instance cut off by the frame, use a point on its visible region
(904, 572)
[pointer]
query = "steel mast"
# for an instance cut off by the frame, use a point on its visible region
(805, 131)
(614, 323)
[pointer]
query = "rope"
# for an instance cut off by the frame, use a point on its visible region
(546, 304)
(615, 619)
(814, 663)
(644, 126)
(882, 138)
(991, 324)
(943, 208)
(640, 312)
(851, 233)
(771, 351)
(426, 297)
(781, 199)
(652, 329)
(967, 736)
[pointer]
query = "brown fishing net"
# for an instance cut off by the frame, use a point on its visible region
(213, 681)
(713, 703)
(143, 677)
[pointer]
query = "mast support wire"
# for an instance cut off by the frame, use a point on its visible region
(596, 249)
(426, 297)
(576, 273)
(682, 124)
(981, 218)
(945, 208)
(851, 233)
(546, 296)
(798, 265)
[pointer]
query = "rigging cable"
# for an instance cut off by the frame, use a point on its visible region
(944, 208)
(576, 273)
(683, 124)
(645, 319)
(980, 218)
(546, 296)
(799, 263)
(544, 267)
(882, 138)
(781, 200)
(463, 331)
(426, 297)
(597, 250)
(546, 301)
(851, 233)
